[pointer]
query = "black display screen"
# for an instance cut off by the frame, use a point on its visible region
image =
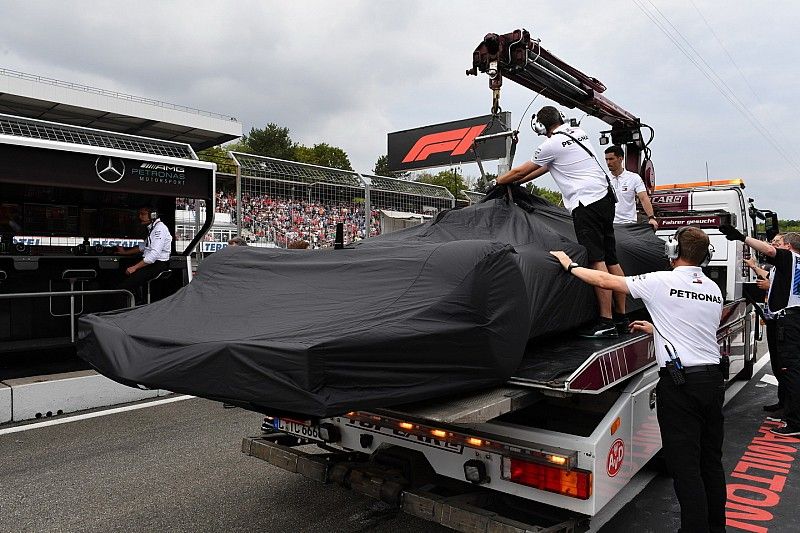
(51, 220)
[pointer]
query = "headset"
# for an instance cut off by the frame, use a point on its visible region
(672, 247)
(540, 128)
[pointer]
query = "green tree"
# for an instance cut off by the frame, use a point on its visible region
(381, 167)
(451, 179)
(271, 141)
(324, 155)
(218, 155)
(482, 183)
(554, 197)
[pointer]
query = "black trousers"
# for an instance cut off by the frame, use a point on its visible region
(775, 360)
(136, 281)
(692, 430)
(787, 340)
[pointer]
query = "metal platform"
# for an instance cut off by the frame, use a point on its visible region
(470, 408)
(588, 366)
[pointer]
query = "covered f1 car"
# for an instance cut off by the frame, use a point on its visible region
(444, 307)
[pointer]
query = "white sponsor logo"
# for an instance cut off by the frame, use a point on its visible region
(109, 169)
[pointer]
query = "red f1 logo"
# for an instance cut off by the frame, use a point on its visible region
(457, 142)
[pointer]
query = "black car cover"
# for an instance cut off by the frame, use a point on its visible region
(440, 308)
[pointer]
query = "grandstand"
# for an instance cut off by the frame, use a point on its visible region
(282, 201)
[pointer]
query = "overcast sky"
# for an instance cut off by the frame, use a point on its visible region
(349, 72)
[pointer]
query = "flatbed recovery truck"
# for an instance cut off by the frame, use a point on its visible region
(554, 445)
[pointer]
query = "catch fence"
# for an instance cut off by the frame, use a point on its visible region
(274, 202)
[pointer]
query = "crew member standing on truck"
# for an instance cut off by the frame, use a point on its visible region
(628, 186)
(155, 252)
(686, 307)
(589, 197)
(783, 304)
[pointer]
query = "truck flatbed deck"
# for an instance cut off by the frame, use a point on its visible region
(574, 364)
(555, 365)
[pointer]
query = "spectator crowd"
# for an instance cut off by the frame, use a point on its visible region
(283, 221)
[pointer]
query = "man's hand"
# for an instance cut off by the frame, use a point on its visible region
(762, 284)
(130, 270)
(562, 258)
(731, 233)
(653, 223)
(641, 325)
(750, 262)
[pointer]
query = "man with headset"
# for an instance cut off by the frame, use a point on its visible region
(783, 305)
(588, 196)
(686, 307)
(155, 252)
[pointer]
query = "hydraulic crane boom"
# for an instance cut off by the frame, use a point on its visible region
(523, 60)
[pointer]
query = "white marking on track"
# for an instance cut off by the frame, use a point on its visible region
(95, 414)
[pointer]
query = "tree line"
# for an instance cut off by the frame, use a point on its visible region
(276, 141)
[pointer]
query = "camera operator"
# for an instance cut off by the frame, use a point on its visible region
(686, 307)
(155, 252)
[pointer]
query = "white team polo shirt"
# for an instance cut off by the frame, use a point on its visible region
(579, 176)
(686, 308)
(158, 244)
(628, 184)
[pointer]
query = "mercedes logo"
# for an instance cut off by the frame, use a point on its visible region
(109, 169)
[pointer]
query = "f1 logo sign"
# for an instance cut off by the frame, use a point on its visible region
(448, 143)
(457, 142)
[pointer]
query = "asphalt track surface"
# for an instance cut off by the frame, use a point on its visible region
(178, 467)
(173, 467)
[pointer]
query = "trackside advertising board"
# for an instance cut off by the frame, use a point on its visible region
(447, 143)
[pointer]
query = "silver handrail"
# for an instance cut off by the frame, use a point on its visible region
(50, 294)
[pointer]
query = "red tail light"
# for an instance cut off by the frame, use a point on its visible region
(575, 483)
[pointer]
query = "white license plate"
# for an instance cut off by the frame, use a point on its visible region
(301, 430)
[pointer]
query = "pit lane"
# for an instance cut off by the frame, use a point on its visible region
(177, 466)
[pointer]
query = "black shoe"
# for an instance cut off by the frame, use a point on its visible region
(602, 329)
(776, 416)
(786, 431)
(773, 407)
(622, 323)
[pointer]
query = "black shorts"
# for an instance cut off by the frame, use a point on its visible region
(594, 228)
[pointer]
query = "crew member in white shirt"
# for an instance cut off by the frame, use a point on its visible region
(783, 305)
(629, 186)
(586, 191)
(155, 251)
(685, 307)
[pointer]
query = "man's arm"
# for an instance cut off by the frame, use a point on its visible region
(648, 209)
(539, 171)
(760, 272)
(519, 173)
(597, 278)
(733, 234)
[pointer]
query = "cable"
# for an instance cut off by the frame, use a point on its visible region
(730, 95)
(724, 48)
(718, 83)
(526, 109)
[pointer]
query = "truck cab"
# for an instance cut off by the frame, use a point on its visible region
(706, 205)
